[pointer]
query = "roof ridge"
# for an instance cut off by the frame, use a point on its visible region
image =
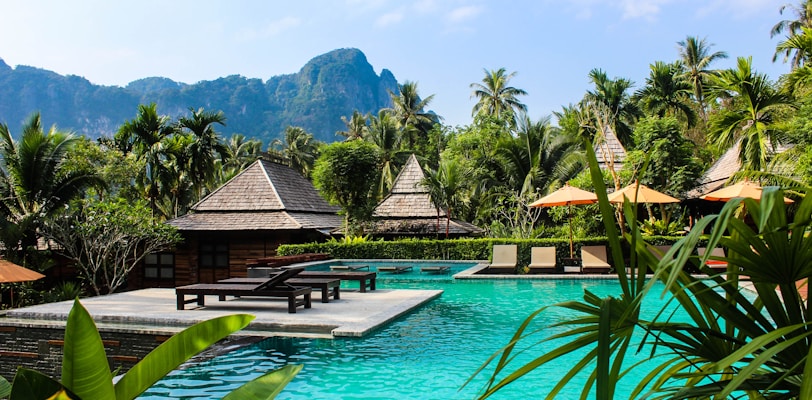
(270, 182)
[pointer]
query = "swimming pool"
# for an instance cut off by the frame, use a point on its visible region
(429, 353)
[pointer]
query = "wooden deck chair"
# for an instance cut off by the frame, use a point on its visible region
(716, 265)
(274, 286)
(593, 260)
(504, 259)
(542, 260)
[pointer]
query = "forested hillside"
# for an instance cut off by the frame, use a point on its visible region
(328, 87)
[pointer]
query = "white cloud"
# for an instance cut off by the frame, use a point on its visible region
(270, 29)
(461, 14)
(389, 19)
(648, 9)
(741, 8)
(425, 6)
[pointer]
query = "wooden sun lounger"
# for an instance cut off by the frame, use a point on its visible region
(328, 287)
(200, 290)
(394, 268)
(273, 286)
(365, 279)
(440, 269)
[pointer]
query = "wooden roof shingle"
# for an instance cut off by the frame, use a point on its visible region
(408, 209)
(266, 186)
(408, 197)
(264, 196)
(608, 148)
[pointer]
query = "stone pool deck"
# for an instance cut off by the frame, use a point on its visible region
(153, 311)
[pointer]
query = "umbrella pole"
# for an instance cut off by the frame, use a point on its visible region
(569, 222)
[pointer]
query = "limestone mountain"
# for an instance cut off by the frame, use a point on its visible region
(328, 87)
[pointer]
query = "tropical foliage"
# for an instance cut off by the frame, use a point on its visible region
(726, 344)
(86, 373)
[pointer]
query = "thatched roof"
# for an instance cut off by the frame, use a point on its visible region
(409, 210)
(265, 196)
(720, 172)
(408, 197)
(608, 148)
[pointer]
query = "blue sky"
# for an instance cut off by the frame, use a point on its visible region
(442, 45)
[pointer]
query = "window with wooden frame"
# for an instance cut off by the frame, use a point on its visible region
(213, 255)
(159, 266)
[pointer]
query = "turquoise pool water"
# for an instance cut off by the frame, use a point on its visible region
(429, 353)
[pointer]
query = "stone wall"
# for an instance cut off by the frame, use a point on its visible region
(40, 348)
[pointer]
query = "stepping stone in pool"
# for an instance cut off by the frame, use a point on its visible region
(394, 268)
(437, 269)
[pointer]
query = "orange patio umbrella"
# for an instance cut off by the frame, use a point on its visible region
(743, 189)
(12, 273)
(567, 196)
(637, 193)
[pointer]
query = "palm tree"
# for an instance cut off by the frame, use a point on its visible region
(299, 148)
(610, 95)
(35, 184)
(800, 77)
(409, 111)
(803, 21)
(447, 186)
(696, 57)
(205, 148)
(146, 133)
(243, 152)
(539, 157)
(751, 116)
(667, 92)
(383, 132)
(178, 187)
(356, 126)
(495, 97)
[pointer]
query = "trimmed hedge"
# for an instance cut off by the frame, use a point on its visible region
(452, 249)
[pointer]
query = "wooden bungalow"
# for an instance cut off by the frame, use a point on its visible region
(408, 211)
(266, 205)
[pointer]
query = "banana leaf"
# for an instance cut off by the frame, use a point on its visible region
(267, 386)
(85, 369)
(30, 384)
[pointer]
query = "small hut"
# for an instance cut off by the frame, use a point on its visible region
(265, 205)
(408, 211)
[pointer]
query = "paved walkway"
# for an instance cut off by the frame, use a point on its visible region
(154, 311)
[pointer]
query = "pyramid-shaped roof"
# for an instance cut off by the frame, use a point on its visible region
(726, 166)
(266, 186)
(265, 196)
(608, 148)
(409, 211)
(409, 198)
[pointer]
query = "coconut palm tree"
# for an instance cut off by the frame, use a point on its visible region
(34, 182)
(243, 152)
(539, 157)
(667, 92)
(751, 116)
(356, 126)
(800, 78)
(384, 133)
(300, 148)
(447, 186)
(205, 149)
(146, 133)
(494, 96)
(794, 27)
(612, 96)
(410, 113)
(697, 57)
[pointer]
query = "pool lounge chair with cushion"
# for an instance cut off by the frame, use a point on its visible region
(504, 259)
(274, 286)
(542, 260)
(716, 265)
(593, 260)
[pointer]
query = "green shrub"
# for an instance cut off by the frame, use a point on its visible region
(455, 249)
